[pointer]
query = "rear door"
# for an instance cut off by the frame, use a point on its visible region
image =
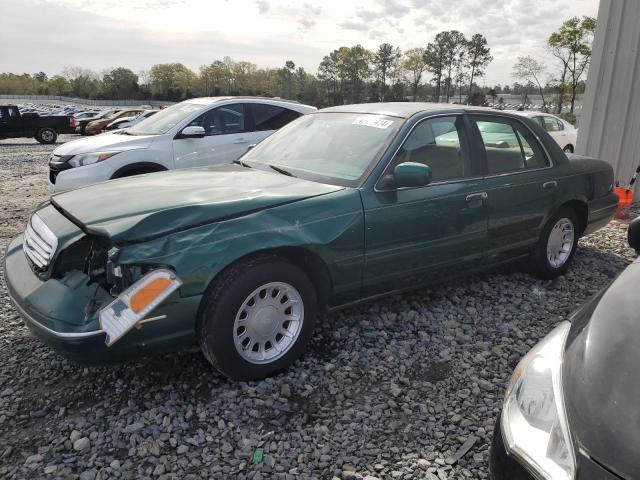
(417, 234)
(227, 137)
(520, 183)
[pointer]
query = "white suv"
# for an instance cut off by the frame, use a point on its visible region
(197, 132)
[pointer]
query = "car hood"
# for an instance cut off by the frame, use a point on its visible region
(144, 207)
(600, 376)
(107, 142)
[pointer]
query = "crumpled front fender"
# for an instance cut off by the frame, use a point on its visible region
(331, 226)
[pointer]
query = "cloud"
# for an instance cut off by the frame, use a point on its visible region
(138, 34)
(263, 6)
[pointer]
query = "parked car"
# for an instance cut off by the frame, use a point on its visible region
(44, 129)
(201, 131)
(126, 122)
(83, 115)
(82, 123)
(95, 127)
(571, 408)
(339, 206)
(565, 134)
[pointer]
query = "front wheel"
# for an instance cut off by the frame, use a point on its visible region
(46, 135)
(557, 244)
(568, 149)
(258, 318)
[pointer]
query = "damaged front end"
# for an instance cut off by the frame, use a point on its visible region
(71, 291)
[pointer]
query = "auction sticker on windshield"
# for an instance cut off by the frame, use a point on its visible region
(373, 121)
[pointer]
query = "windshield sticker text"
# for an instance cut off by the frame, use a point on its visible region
(372, 121)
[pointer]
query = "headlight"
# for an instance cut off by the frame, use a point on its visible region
(534, 423)
(90, 158)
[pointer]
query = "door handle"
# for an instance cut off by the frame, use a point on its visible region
(241, 141)
(549, 185)
(475, 197)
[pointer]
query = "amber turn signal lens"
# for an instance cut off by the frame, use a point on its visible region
(148, 293)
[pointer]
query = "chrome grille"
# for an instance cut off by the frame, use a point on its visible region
(39, 243)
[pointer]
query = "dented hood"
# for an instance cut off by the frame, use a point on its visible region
(144, 207)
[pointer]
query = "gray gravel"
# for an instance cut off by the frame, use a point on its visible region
(406, 387)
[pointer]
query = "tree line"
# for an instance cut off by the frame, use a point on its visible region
(448, 68)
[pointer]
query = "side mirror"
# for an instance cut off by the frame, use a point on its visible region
(192, 132)
(411, 174)
(633, 235)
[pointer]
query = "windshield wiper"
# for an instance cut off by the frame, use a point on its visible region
(241, 163)
(282, 171)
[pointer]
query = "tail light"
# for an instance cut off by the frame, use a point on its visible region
(73, 123)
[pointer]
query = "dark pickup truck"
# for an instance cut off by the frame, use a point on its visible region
(44, 129)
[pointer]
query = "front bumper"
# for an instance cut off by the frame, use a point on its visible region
(71, 178)
(54, 310)
(503, 466)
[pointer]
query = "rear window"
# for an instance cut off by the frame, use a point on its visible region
(271, 117)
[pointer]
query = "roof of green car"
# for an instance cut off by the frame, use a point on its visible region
(402, 109)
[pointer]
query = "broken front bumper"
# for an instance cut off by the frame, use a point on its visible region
(55, 311)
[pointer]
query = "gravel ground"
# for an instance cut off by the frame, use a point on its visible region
(407, 387)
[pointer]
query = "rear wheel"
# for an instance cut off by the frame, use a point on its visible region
(46, 135)
(258, 318)
(568, 149)
(557, 244)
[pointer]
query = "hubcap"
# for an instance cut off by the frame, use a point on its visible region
(560, 242)
(268, 323)
(47, 135)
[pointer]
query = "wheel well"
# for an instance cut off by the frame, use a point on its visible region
(308, 261)
(582, 211)
(137, 169)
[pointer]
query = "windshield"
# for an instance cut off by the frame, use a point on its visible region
(165, 120)
(334, 148)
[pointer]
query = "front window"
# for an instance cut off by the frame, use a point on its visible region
(439, 144)
(334, 148)
(164, 120)
(223, 120)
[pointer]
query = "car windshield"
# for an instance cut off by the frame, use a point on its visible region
(165, 120)
(334, 148)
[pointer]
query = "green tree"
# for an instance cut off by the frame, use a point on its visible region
(385, 60)
(478, 56)
(414, 66)
(442, 56)
(329, 76)
(171, 81)
(120, 84)
(355, 67)
(58, 85)
(571, 45)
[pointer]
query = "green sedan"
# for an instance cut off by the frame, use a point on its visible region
(340, 206)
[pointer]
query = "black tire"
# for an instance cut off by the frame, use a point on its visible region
(568, 149)
(46, 135)
(221, 303)
(83, 130)
(539, 261)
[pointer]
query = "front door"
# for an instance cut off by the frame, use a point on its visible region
(414, 235)
(520, 185)
(227, 137)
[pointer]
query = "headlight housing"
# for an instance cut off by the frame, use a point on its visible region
(534, 421)
(90, 158)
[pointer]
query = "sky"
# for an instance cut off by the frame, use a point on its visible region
(47, 35)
